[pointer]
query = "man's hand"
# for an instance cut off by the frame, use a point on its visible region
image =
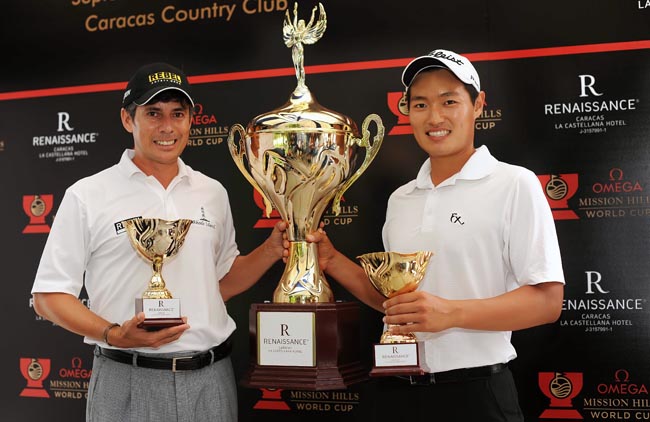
(326, 250)
(68, 312)
(347, 273)
(128, 335)
(276, 244)
(525, 307)
(419, 311)
(246, 270)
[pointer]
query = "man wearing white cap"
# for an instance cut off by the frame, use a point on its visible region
(179, 373)
(496, 265)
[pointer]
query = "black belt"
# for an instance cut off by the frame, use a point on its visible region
(179, 363)
(458, 375)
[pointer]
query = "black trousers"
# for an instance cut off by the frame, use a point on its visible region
(488, 399)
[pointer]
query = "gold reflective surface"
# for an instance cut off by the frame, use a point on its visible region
(394, 273)
(156, 241)
(301, 157)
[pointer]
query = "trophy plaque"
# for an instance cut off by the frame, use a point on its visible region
(156, 241)
(393, 273)
(300, 158)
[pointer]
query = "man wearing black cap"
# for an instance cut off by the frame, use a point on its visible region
(496, 264)
(180, 373)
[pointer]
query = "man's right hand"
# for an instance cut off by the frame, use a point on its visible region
(326, 250)
(347, 273)
(68, 312)
(128, 335)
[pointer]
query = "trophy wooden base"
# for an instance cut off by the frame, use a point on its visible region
(160, 323)
(333, 342)
(393, 371)
(393, 359)
(158, 313)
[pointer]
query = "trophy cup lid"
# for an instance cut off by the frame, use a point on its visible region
(302, 113)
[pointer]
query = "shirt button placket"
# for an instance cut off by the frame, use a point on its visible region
(170, 207)
(429, 211)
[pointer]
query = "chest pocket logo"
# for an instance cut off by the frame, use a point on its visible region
(456, 219)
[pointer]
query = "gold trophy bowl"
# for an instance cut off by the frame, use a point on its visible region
(157, 240)
(394, 273)
(300, 158)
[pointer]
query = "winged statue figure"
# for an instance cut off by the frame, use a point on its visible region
(295, 33)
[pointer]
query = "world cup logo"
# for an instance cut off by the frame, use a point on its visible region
(559, 188)
(399, 107)
(35, 371)
(271, 400)
(561, 388)
(37, 207)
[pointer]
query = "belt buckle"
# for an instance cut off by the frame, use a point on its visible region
(426, 379)
(177, 359)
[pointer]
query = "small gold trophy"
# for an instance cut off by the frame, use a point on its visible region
(394, 273)
(157, 240)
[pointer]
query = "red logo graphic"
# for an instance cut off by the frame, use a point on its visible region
(623, 386)
(37, 207)
(35, 371)
(617, 184)
(265, 222)
(561, 388)
(559, 188)
(76, 371)
(199, 118)
(271, 400)
(397, 103)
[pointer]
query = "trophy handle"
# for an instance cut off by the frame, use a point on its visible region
(238, 151)
(371, 152)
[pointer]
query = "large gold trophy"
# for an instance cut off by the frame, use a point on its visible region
(301, 157)
(156, 241)
(394, 273)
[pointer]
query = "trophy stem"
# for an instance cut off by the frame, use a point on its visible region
(302, 280)
(157, 289)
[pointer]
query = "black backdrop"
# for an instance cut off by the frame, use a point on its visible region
(567, 91)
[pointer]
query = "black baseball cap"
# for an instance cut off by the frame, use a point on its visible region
(152, 79)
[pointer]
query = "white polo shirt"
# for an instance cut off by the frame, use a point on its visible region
(491, 231)
(88, 241)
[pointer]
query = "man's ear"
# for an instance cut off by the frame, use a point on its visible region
(478, 104)
(127, 121)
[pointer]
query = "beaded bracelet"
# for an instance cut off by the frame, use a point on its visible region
(107, 329)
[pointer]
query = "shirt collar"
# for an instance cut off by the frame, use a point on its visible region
(129, 168)
(480, 164)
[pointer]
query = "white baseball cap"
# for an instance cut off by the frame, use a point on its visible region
(455, 63)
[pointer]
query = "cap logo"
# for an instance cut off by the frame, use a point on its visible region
(441, 55)
(126, 94)
(165, 77)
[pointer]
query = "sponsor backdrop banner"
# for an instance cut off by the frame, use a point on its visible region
(568, 96)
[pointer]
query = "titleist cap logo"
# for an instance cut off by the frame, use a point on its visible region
(441, 55)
